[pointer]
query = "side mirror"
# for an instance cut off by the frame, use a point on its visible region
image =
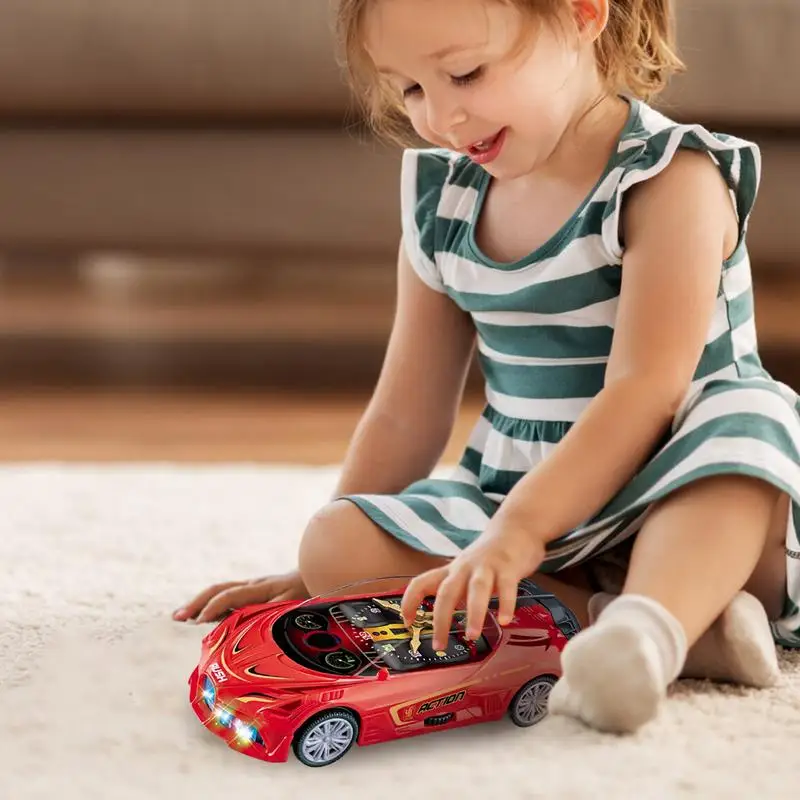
(383, 674)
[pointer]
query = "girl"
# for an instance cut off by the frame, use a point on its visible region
(596, 251)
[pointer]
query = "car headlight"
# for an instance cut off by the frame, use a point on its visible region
(245, 732)
(224, 717)
(208, 692)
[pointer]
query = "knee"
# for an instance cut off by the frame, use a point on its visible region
(327, 543)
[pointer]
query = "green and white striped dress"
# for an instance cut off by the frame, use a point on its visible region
(545, 325)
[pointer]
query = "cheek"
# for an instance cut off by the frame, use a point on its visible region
(543, 98)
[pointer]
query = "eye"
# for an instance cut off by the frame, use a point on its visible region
(412, 90)
(470, 77)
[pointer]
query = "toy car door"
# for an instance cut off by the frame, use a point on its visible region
(439, 696)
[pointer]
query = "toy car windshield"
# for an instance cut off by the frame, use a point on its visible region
(359, 630)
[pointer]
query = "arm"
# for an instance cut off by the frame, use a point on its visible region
(679, 226)
(410, 417)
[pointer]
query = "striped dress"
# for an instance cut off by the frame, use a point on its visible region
(544, 329)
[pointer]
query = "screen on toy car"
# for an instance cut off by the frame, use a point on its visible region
(376, 624)
(346, 637)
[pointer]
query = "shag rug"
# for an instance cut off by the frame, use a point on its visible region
(93, 682)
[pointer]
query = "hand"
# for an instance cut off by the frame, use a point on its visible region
(213, 603)
(493, 564)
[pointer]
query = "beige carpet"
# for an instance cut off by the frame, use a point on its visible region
(93, 679)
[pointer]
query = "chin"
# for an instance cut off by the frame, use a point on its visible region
(509, 171)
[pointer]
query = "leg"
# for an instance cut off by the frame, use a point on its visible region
(342, 545)
(768, 581)
(738, 647)
(700, 547)
(693, 555)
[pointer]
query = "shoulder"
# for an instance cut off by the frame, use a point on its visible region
(689, 194)
(653, 140)
(438, 188)
(687, 174)
(661, 162)
(437, 192)
(430, 172)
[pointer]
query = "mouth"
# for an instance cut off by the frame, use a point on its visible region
(486, 150)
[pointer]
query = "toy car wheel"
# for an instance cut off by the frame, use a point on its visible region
(529, 705)
(326, 738)
(311, 622)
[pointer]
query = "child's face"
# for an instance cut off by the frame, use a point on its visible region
(449, 59)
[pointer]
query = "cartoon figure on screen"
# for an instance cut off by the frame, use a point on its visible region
(422, 623)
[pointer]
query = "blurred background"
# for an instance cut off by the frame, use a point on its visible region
(198, 241)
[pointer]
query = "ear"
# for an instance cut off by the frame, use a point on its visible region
(591, 17)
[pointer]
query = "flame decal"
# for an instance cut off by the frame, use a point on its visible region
(218, 643)
(237, 644)
(254, 673)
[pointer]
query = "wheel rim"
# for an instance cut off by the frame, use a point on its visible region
(532, 703)
(327, 740)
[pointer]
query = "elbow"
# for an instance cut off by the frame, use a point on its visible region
(662, 394)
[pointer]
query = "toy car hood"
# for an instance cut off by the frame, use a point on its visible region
(241, 650)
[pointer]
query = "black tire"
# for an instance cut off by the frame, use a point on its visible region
(529, 704)
(305, 746)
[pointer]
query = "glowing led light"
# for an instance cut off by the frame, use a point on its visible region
(244, 732)
(208, 693)
(223, 716)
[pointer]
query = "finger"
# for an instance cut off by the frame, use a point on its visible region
(479, 594)
(417, 589)
(231, 599)
(195, 605)
(450, 592)
(507, 595)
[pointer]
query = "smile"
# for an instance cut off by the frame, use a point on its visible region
(486, 150)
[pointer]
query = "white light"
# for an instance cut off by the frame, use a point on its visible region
(244, 732)
(223, 715)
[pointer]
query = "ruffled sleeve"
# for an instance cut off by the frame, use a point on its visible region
(424, 174)
(738, 160)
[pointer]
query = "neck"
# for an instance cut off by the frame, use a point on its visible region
(589, 138)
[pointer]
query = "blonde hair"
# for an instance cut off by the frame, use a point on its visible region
(636, 54)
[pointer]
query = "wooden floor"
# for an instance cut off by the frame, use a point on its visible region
(193, 427)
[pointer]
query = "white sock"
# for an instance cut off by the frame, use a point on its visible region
(652, 620)
(616, 672)
(737, 648)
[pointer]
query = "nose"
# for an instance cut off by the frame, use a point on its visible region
(444, 113)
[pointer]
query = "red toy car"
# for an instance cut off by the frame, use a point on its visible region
(318, 675)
